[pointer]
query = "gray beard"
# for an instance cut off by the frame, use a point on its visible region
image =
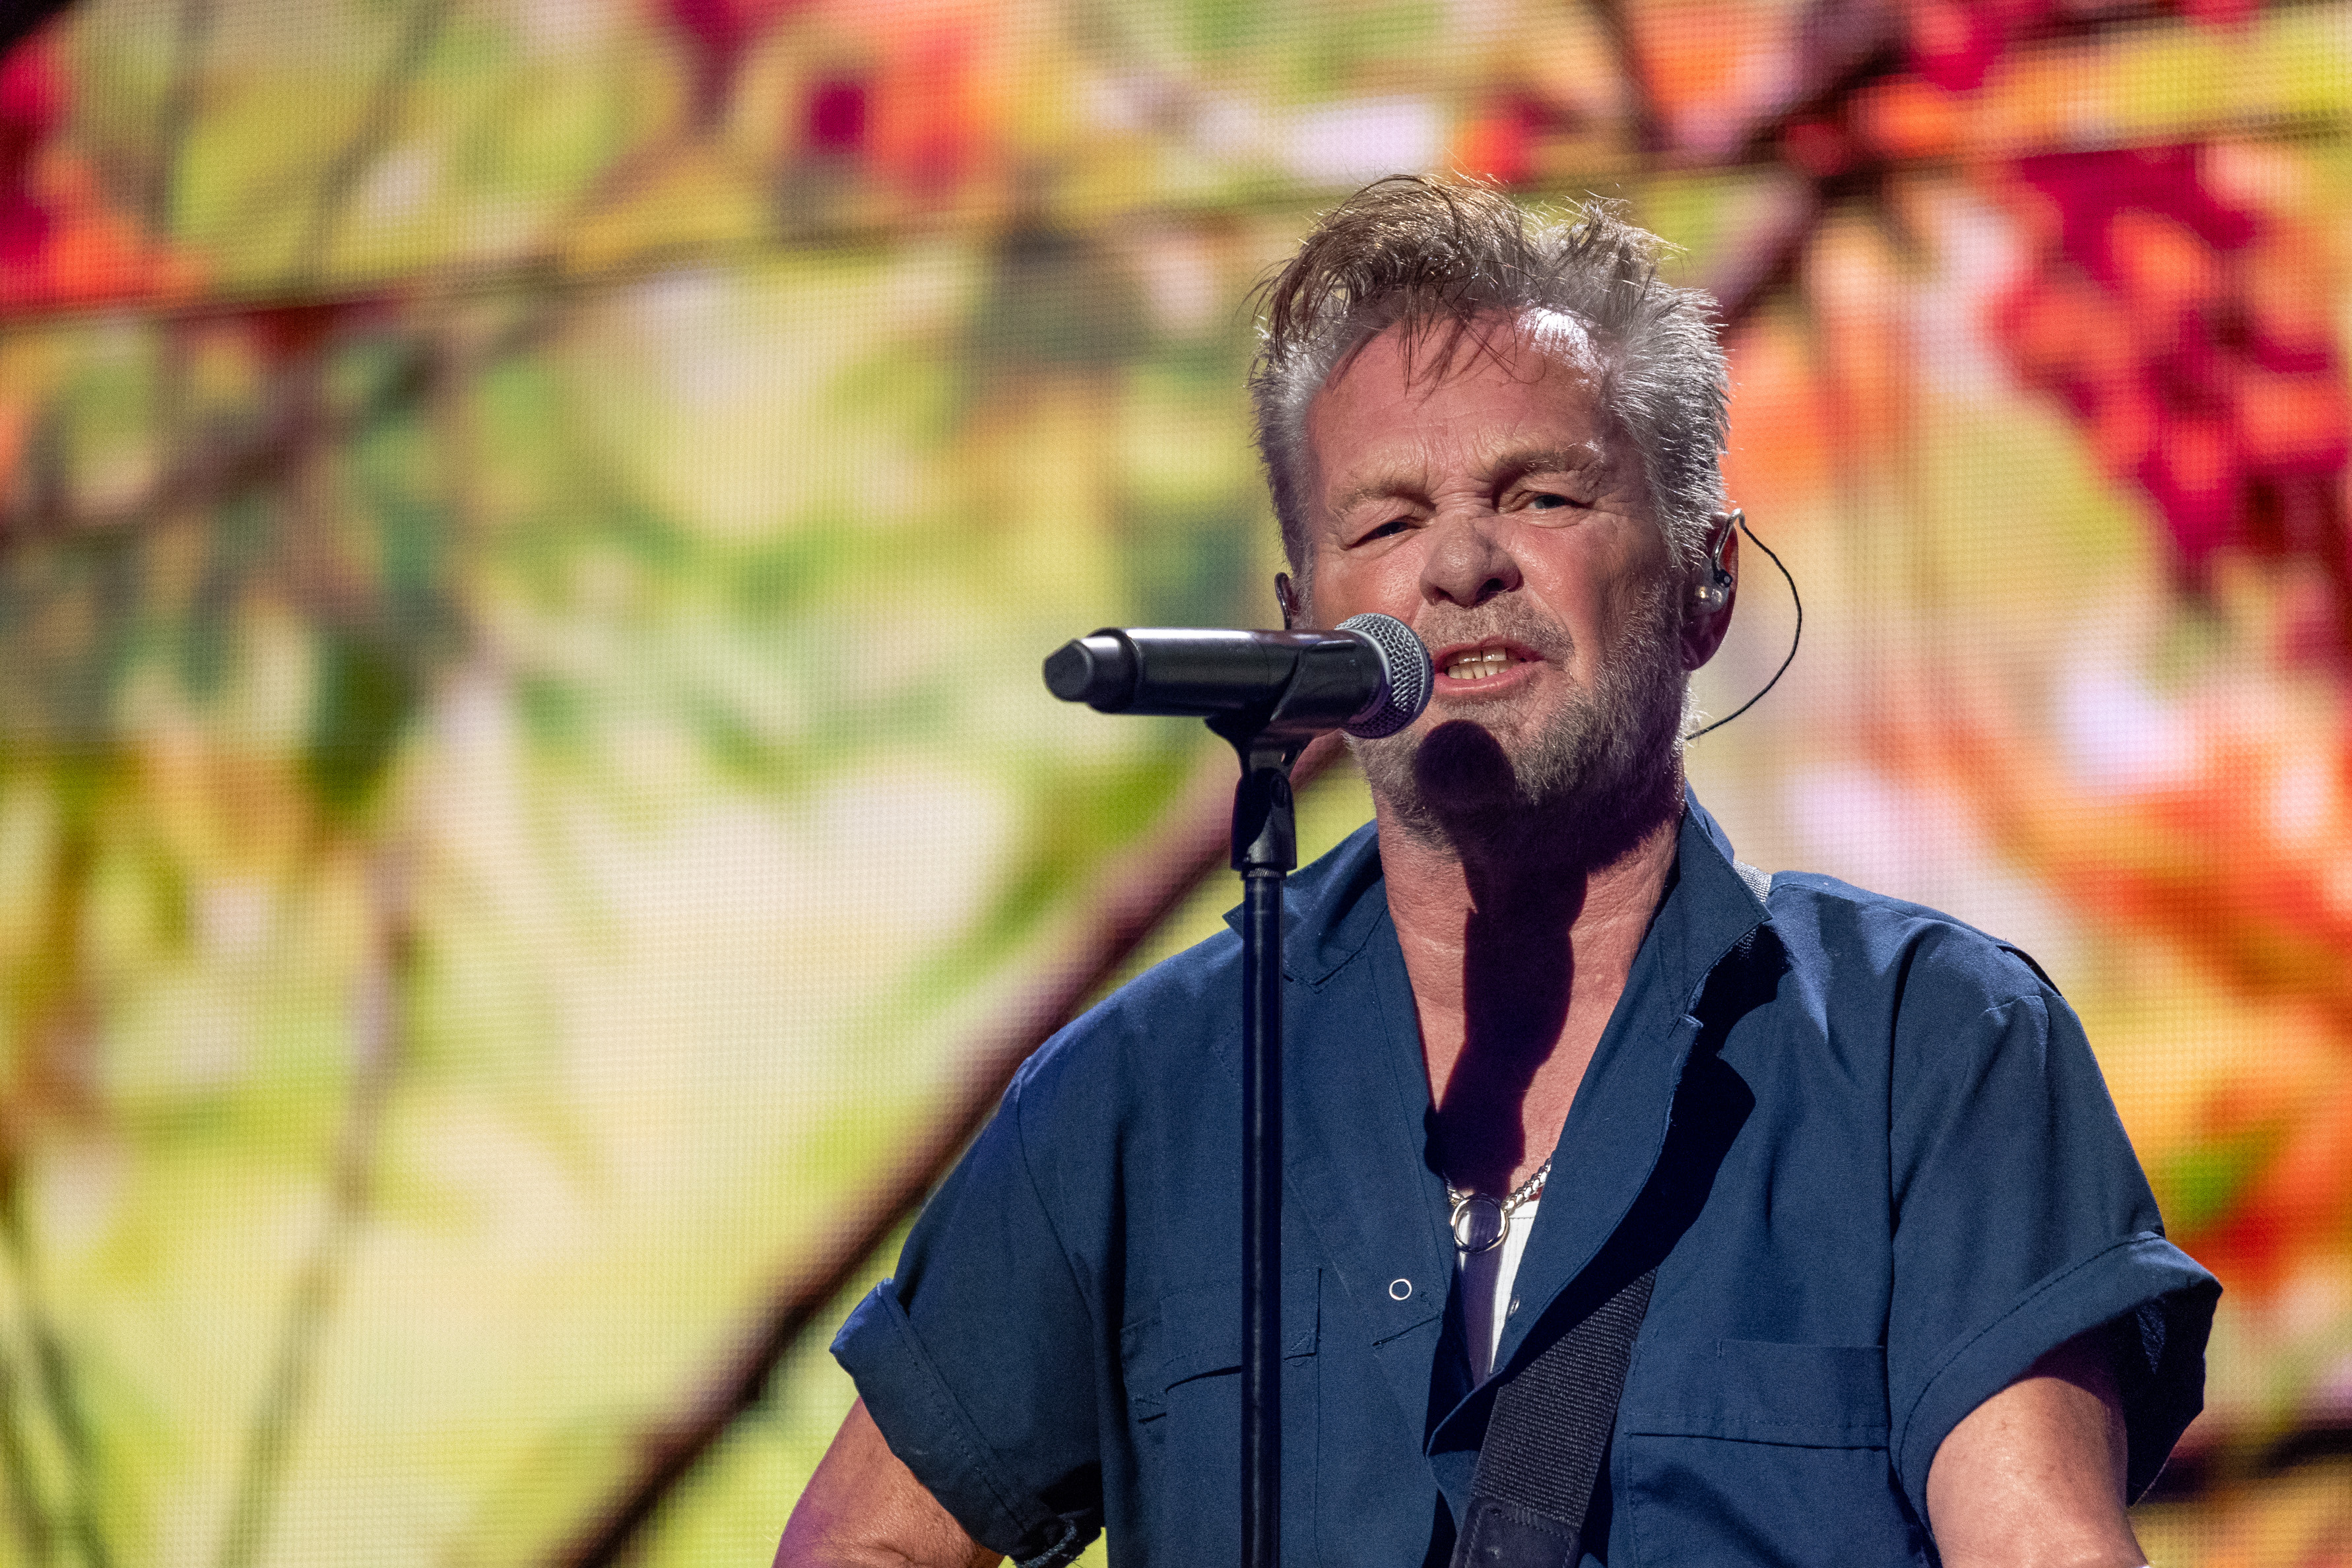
(1609, 756)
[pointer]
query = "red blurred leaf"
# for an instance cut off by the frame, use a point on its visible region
(836, 115)
(1954, 43)
(2190, 338)
(718, 33)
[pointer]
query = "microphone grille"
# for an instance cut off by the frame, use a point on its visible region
(1408, 676)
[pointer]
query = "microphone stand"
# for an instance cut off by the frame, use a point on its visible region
(1321, 683)
(1264, 850)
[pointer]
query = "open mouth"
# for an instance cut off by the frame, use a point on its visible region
(1478, 663)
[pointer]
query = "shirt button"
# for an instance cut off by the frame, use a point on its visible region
(1399, 1290)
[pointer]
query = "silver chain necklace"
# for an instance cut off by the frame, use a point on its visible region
(1481, 1222)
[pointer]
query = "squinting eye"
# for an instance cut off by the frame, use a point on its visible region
(1544, 501)
(1394, 525)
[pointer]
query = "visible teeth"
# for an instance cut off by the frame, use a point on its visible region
(1478, 666)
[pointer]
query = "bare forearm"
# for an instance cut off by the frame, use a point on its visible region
(2034, 1478)
(864, 1509)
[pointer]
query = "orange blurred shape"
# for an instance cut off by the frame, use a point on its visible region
(2287, 287)
(2163, 264)
(2124, 429)
(930, 114)
(60, 243)
(2063, 331)
(2293, 422)
(2247, 1102)
(1693, 52)
(1496, 146)
(87, 254)
(1774, 455)
(1907, 118)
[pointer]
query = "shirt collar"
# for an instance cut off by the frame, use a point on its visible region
(1330, 909)
(1333, 906)
(1709, 906)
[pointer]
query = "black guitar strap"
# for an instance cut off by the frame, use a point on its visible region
(1544, 1442)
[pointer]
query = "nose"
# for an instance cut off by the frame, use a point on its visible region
(1467, 562)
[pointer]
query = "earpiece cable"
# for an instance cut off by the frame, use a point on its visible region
(1795, 638)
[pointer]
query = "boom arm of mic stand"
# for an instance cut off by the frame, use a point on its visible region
(1266, 849)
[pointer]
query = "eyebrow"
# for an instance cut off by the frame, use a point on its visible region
(1578, 459)
(1506, 466)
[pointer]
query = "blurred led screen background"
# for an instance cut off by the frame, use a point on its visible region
(529, 821)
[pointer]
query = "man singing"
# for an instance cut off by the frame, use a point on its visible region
(1912, 1297)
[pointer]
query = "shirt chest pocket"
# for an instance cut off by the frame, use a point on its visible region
(1198, 1334)
(1730, 1448)
(1183, 1375)
(1753, 1390)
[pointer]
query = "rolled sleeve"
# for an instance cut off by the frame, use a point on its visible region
(2161, 1304)
(2022, 1220)
(976, 1360)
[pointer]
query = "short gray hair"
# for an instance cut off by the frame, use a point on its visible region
(1429, 256)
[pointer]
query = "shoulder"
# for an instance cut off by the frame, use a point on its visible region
(1862, 945)
(1154, 1036)
(1176, 1029)
(1140, 1079)
(1966, 1026)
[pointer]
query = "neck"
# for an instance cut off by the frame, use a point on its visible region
(1554, 868)
(1518, 935)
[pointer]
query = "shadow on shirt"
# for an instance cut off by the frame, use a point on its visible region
(1711, 1104)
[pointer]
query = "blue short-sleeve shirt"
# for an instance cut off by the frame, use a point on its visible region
(1866, 1146)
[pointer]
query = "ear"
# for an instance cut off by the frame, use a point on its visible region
(1287, 596)
(1707, 613)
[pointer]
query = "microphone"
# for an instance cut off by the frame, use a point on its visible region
(1370, 676)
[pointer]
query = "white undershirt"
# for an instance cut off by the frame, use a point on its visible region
(1487, 1280)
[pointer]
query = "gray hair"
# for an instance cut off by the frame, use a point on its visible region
(1434, 257)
